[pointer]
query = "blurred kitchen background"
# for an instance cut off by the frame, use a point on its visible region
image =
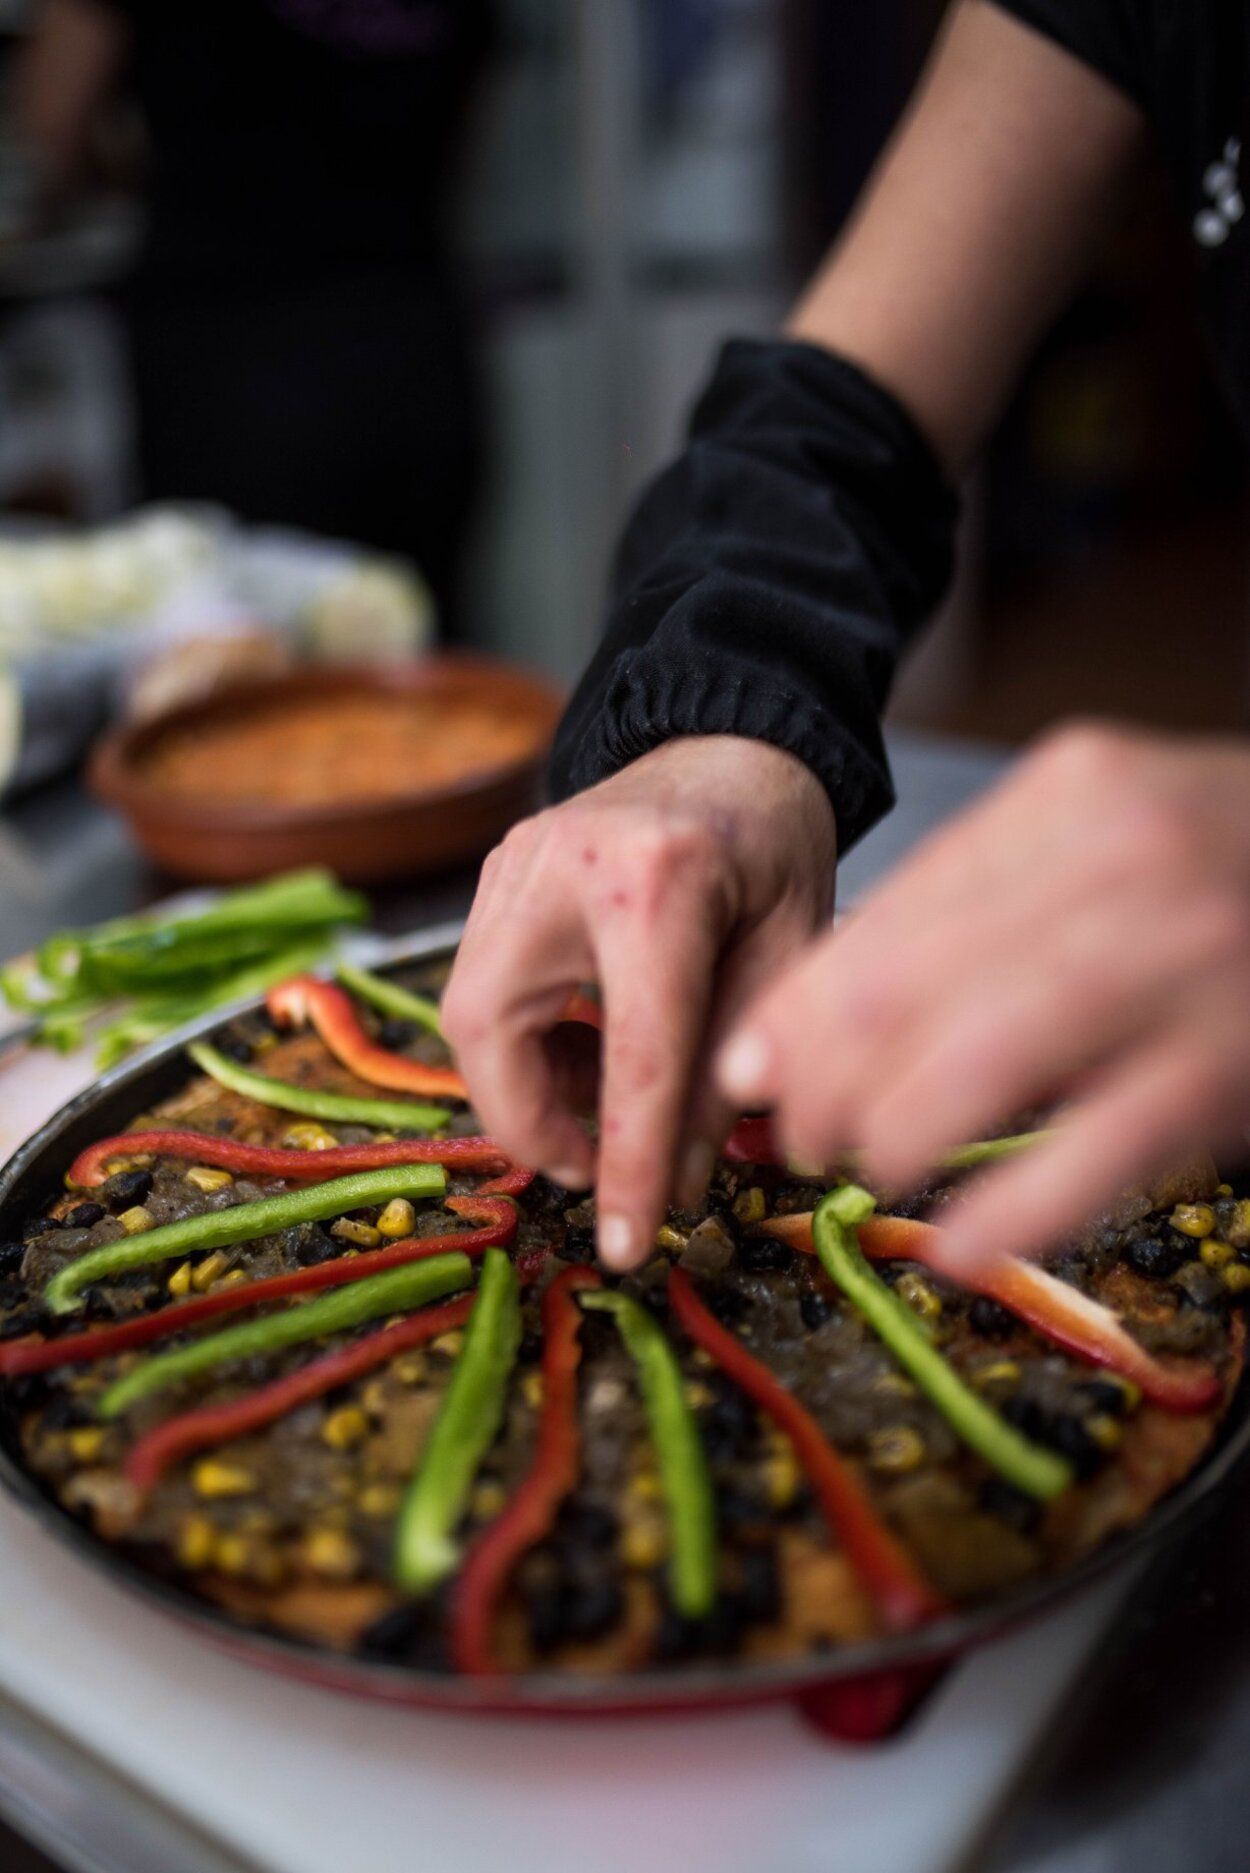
(570, 202)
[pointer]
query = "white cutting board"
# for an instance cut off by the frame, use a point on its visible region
(300, 1780)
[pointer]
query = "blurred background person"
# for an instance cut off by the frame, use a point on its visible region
(299, 345)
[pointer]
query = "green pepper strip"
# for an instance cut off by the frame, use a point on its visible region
(391, 1115)
(391, 999)
(684, 1475)
(1037, 1471)
(242, 1222)
(986, 1150)
(394, 1292)
(468, 1421)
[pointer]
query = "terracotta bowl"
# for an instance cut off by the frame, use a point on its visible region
(224, 841)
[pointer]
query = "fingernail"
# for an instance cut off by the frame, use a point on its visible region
(695, 1173)
(572, 1176)
(743, 1066)
(616, 1240)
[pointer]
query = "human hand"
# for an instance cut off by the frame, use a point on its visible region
(1083, 930)
(679, 886)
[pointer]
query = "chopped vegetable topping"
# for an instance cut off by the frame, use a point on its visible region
(331, 1012)
(393, 1292)
(684, 1475)
(242, 1222)
(532, 1511)
(90, 1167)
(391, 999)
(1028, 1466)
(898, 1591)
(391, 1115)
(426, 1550)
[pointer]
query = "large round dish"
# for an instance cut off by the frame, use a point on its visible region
(850, 1689)
(228, 841)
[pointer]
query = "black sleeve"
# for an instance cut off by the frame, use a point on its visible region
(1112, 36)
(770, 579)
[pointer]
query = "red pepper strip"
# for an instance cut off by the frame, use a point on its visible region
(77, 1349)
(1079, 1324)
(178, 1437)
(752, 1141)
(512, 1184)
(901, 1595)
(531, 1513)
(299, 1167)
(218, 1424)
(333, 1014)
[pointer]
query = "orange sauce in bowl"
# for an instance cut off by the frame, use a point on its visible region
(333, 750)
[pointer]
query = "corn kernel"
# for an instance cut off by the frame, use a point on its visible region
(196, 1540)
(375, 1397)
(894, 1385)
(85, 1442)
(214, 1477)
(384, 1138)
(308, 1136)
(644, 1486)
(643, 1545)
(204, 1177)
(1236, 1277)
(996, 1375)
(345, 1427)
(749, 1205)
(397, 1219)
(206, 1272)
(1238, 1229)
(137, 1161)
(234, 1279)
(666, 1237)
(782, 1477)
(1105, 1430)
(532, 1389)
(363, 1234)
(410, 1368)
(232, 1552)
(1193, 1219)
(179, 1282)
(919, 1296)
(697, 1393)
(449, 1343)
(488, 1499)
(701, 1358)
(1216, 1254)
(134, 1221)
(895, 1449)
(330, 1552)
(1223, 1190)
(380, 1499)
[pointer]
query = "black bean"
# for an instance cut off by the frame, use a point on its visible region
(759, 1592)
(1030, 1418)
(587, 1525)
(815, 1308)
(396, 1034)
(127, 1189)
(1104, 1395)
(408, 1633)
(727, 1305)
(594, 1607)
(64, 1409)
(720, 1632)
(547, 1605)
(12, 1290)
(759, 1255)
(39, 1226)
(578, 1244)
(989, 1319)
(317, 1246)
(26, 1320)
(1011, 1505)
(530, 1350)
(1068, 1436)
(236, 1047)
(738, 1510)
(85, 1216)
(1151, 1255)
(11, 1256)
(676, 1637)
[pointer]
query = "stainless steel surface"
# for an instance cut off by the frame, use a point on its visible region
(1148, 1771)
